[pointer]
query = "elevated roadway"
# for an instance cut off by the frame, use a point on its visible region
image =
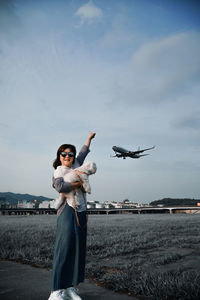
(108, 211)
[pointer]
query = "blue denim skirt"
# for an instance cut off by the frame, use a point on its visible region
(70, 249)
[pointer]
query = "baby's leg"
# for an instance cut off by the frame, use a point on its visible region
(59, 201)
(86, 184)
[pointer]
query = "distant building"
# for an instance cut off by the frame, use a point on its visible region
(108, 205)
(99, 205)
(117, 204)
(91, 204)
(29, 205)
(52, 204)
(22, 204)
(45, 204)
(128, 204)
(25, 204)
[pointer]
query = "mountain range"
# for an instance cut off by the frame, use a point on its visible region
(176, 202)
(13, 198)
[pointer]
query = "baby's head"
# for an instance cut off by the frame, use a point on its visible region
(91, 167)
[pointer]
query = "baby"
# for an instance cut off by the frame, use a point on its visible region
(79, 174)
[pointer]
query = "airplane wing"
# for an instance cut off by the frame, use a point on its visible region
(142, 150)
(119, 155)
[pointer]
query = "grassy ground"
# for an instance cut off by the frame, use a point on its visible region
(148, 255)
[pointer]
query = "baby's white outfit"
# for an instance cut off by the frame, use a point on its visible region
(75, 198)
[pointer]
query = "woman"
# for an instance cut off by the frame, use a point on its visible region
(70, 246)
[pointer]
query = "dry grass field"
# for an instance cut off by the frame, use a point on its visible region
(151, 256)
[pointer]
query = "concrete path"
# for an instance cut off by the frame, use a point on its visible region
(23, 282)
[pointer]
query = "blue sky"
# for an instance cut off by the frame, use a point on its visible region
(128, 70)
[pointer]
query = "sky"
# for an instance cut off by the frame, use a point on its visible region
(128, 70)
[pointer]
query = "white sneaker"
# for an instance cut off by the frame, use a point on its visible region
(56, 295)
(71, 294)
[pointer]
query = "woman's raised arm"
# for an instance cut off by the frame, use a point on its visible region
(90, 137)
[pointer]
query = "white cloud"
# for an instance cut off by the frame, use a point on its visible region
(171, 53)
(88, 13)
(159, 71)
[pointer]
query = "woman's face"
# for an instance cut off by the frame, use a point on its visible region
(67, 157)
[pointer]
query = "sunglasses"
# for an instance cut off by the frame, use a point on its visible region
(64, 154)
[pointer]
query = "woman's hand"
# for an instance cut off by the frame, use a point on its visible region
(90, 137)
(76, 185)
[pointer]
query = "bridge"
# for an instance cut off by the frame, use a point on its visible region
(107, 211)
(146, 210)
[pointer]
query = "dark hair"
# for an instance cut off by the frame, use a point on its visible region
(57, 161)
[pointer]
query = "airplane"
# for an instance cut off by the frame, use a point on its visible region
(121, 152)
